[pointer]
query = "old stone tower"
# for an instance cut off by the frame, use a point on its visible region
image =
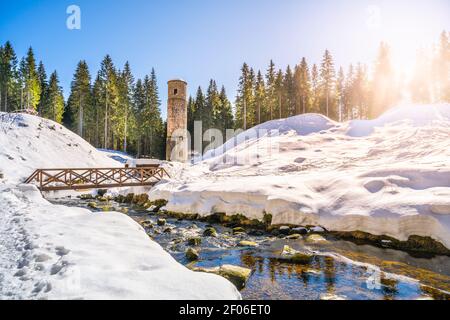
(177, 139)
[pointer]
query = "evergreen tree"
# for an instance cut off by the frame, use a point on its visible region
(190, 118)
(290, 99)
(271, 97)
(349, 94)
(245, 99)
(109, 98)
(53, 108)
(31, 92)
(360, 92)
(303, 86)
(443, 65)
(279, 93)
(8, 78)
(327, 83)
(260, 99)
(125, 83)
(80, 102)
(138, 110)
(340, 93)
(212, 106)
(384, 92)
(226, 113)
(42, 76)
(315, 90)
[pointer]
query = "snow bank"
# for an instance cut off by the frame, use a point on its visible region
(389, 176)
(56, 252)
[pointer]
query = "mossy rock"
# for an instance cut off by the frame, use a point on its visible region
(148, 224)
(140, 199)
(210, 232)
(196, 241)
(236, 275)
(107, 208)
(294, 236)
(87, 197)
(316, 238)
(161, 222)
(238, 230)
(192, 254)
(246, 243)
(102, 192)
(293, 256)
(102, 199)
(119, 199)
(414, 244)
(129, 198)
(92, 205)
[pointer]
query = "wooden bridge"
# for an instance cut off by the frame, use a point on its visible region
(95, 178)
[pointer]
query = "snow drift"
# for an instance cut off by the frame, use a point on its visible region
(56, 252)
(389, 176)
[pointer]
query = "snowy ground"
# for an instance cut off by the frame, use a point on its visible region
(56, 252)
(389, 176)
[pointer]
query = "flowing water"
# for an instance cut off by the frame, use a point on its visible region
(338, 269)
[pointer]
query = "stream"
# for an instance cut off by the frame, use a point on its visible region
(338, 269)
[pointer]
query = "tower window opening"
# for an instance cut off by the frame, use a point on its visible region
(175, 91)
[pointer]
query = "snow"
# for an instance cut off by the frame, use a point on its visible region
(118, 156)
(57, 252)
(389, 176)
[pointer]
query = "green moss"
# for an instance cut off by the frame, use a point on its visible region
(414, 244)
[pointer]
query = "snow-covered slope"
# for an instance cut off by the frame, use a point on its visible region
(56, 252)
(28, 142)
(388, 176)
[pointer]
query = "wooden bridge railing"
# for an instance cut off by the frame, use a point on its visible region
(95, 178)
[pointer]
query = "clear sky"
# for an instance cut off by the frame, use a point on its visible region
(202, 39)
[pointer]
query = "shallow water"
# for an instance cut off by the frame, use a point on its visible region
(339, 269)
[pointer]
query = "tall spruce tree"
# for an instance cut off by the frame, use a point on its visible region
(260, 99)
(271, 97)
(303, 86)
(108, 97)
(53, 107)
(315, 89)
(31, 93)
(80, 102)
(290, 99)
(327, 83)
(8, 78)
(125, 83)
(226, 113)
(245, 98)
(384, 92)
(42, 76)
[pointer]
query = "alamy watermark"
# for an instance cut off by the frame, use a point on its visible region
(73, 21)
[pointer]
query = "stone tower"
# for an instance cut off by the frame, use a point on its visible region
(177, 138)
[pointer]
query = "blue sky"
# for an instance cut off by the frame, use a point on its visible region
(202, 39)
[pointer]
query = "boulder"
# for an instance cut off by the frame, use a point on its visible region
(92, 205)
(245, 243)
(236, 275)
(284, 230)
(161, 222)
(317, 230)
(316, 238)
(238, 230)
(291, 255)
(299, 230)
(195, 241)
(294, 236)
(192, 254)
(210, 232)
